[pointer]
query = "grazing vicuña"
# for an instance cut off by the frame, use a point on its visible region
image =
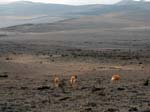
(115, 78)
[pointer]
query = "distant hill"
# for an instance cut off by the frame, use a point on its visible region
(33, 13)
(24, 12)
(29, 8)
(25, 8)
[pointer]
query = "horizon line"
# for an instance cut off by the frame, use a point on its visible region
(17, 1)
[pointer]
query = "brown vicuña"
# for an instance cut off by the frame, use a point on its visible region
(115, 78)
(56, 81)
(73, 80)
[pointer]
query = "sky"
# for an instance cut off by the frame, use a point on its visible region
(71, 2)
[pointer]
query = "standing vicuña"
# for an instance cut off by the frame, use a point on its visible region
(73, 80)
(56, 81)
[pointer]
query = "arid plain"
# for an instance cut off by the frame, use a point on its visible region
(94, 48)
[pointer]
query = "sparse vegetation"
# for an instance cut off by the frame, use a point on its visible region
(93, 48)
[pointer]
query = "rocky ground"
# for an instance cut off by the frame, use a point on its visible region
(31, 56)
(26, 84)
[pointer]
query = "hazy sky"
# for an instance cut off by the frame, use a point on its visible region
(73, 2)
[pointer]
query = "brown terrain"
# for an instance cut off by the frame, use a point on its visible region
(93, 48)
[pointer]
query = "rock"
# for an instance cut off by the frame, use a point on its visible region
(3, 76)
(120, 89)
(24, 88)
(8, 58)
(95, 89)
(146, 83)
(112, 110)
(83, 88)
(88, 109)
(64, 98)
(43, 88)
(133, 109)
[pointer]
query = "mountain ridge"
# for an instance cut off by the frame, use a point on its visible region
(35, 11)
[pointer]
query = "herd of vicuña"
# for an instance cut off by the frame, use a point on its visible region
(73, 80)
